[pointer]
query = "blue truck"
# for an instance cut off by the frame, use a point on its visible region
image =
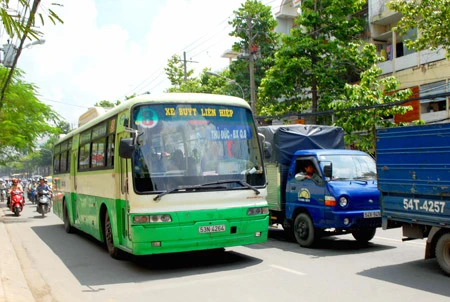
(341, 198)
(413, 165)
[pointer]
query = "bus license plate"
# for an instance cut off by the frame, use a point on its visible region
(373, 214)
(212, 228)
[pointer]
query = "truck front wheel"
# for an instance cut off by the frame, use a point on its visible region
(364, 235)
(304, 230)
(443, 253)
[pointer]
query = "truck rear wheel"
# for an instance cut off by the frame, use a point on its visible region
(364, 235)
(304, 230)
(443, 253)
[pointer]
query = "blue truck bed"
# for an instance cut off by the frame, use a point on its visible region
(413, 165)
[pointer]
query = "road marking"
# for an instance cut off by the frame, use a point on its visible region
(287, 270)
(400, 241)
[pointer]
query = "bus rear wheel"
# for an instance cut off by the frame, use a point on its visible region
(112, 250)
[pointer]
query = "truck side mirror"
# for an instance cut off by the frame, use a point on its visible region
(126, 147)
(328, 171)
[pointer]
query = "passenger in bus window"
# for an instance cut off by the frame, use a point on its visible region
(176, 161)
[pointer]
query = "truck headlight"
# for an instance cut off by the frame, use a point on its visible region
(343, 201)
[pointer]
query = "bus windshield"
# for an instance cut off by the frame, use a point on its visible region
(182, 145)
(351, 167)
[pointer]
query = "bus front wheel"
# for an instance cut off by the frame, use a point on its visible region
(67, 226)
(112, 250)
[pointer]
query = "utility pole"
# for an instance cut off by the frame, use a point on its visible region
(185, 65)
(252, 50)
(19, 50)
(251, 64)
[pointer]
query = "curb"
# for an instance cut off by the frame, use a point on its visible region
(13, 285)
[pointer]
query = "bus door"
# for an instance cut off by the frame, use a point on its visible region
(122, 188)
(73, 198)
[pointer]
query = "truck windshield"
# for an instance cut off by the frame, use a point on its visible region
(352, 167)
(193, 144)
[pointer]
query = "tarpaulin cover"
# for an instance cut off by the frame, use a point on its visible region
(283, 140)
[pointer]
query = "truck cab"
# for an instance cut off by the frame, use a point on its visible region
(340, 196)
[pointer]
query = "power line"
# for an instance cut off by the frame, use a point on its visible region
(330, 112)
(213, 36)
(53, 101)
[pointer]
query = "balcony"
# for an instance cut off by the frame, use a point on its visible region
(411, 60)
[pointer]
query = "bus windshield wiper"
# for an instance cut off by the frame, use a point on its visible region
(189, 188)
(209, 186)
(241, 182)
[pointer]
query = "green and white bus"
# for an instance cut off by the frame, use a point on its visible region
(162, 174)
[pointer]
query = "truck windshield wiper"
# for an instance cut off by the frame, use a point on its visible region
(209, 186)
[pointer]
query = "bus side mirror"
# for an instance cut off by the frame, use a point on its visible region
(328, 171)
(126, 147)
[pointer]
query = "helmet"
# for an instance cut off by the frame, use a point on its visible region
(14, 180)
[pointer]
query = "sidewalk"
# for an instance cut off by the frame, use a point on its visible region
(13, 286)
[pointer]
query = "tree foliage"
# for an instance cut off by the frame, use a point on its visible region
(317, 59)
(107, 104)
(430, 17)
(16, 27)
(23, 119)
(256, 20)
(376, 94)
(175, 73)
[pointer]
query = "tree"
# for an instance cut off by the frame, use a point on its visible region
(317, 59)
(254, 25)
(175, 73)
(107, 104)
(430, 17)
(16, 27)
(377, 94)
(23, 119)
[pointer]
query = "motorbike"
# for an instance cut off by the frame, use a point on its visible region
(33, 195)
(3, 195)
(16, 204)
(43, 202)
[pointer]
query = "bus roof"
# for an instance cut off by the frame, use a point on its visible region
(164, 98)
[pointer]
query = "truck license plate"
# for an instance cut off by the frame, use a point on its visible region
(212, 228)
(373, 214)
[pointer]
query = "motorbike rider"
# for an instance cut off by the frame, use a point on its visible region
(2, 188)
(44, 186)
(15, 186)
(31, 187)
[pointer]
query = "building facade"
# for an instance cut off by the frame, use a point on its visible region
(426, 73)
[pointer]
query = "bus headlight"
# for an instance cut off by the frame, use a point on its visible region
(343, 201)
(141, 219)
(257, 211)
(160, 218)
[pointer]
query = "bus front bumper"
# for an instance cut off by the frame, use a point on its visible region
(180, 238)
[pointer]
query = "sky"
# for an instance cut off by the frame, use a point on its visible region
(109, 49)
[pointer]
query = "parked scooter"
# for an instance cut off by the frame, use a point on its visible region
(17, 202)
(43, 201)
